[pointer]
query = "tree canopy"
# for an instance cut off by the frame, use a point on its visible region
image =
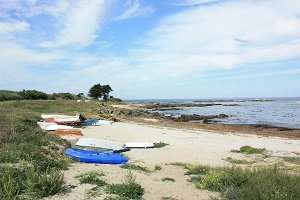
(100, 91)
(33, 94)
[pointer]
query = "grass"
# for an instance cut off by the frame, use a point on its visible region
(168, 198)
(21, 141)
(168, 179)
(293, 160)
(238, 161)
(157, 168)
(180, 164)
(129, 189)
(160, 145)
(134, 167)
(29, 182)
(251, 150)
(92, 177)
(264, 183)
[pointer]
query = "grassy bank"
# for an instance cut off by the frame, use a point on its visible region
(31, 160)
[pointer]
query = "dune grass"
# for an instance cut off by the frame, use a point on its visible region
(92, 177)
(134, 167)
(31, 159)
(251, 150)
(238, 161)
(263, 183)
(160, 144)
(293, 160)
(129, 189)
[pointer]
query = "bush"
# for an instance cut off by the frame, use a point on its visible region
(92, 178)
(251, 150)
(160, 145)
(128, 189)
(33, 95)
(134, 167)
(263, 183)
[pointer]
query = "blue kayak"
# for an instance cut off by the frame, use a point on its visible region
(89, 121)
(103, 156)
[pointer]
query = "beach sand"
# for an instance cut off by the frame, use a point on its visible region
(185, 145)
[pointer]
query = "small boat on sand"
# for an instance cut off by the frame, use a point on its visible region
(68, 131)
(104, 157)
(44, 125)
(105, 144)
(55, 127)
(138, 145)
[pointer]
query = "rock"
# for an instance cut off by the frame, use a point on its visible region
(205, 118)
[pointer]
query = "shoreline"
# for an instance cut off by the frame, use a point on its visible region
(139, 113)
(248, 129)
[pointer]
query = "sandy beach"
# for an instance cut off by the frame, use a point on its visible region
(185, 146)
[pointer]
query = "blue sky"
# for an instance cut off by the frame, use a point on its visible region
(152, 49)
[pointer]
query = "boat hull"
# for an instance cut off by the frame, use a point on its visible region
(87, 156)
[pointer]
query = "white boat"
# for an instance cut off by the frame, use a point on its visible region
(66, 119)
(138, 145)
(44, 125)
(55, 127)
(102, 122)
(105, 144)
(45, 116)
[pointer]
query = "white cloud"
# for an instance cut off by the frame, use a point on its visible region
(12, 26)
(191, 2)
(134, 9)
(221, 36)
(79, 25)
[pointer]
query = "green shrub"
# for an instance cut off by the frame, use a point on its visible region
(128, 189)
(134, 167)
(92, 177)
(27, 181)
(263, 183)
(157, 168)
(33, 94)
(160, 145)
(251, 150)
(294, 160)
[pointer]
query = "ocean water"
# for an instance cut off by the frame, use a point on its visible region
(282, 112)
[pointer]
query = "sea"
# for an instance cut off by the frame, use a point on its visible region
(280, 112)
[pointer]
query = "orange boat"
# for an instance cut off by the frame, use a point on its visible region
(69, 131)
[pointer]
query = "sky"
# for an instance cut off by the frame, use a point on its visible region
(150, 49)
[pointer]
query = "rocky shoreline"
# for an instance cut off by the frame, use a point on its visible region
(146, 113)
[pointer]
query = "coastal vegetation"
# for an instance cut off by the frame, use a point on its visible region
(134, 167)
(160, 144)
(251, 150)
(98, 91)
(30, 159)
(92, 177)
(167, 179)
(129, 189)
(264, 183)
(238, 161)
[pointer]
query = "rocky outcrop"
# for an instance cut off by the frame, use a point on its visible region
(194, 117)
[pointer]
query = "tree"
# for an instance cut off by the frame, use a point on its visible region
(33, 94)
(100, 91)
